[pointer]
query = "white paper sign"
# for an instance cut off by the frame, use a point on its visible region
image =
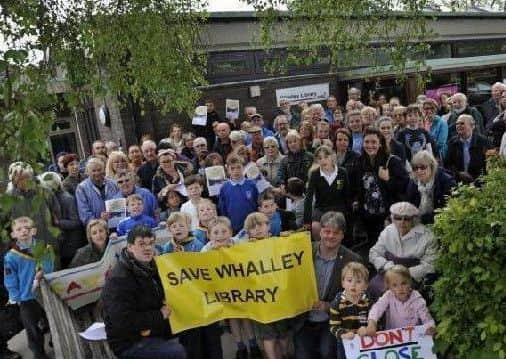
(215, 177)
(409, 342)
(199, 120)
(232, 109)
(117, 208)
(252, 172)
(309, 93)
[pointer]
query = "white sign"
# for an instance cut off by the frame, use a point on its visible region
(117, 208)
(409, 342)
(232, 109)
(215, 177)
(309, 93)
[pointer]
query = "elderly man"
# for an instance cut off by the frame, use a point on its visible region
(467, 151)
(461, 107)
(331, 108)
(92, 193)
(148, 169)
(135, 313)
(354, 94)
(201, 152)
(313, 338)
(222, 145)
(491, 107)
(98, 148)
(126, 183)
(281, 124)
(258, 120)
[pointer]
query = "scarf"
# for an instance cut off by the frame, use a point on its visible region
(426, 197)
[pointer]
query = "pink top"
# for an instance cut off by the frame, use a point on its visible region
(399, 314)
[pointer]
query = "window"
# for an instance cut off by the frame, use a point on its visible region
(230, 63)
(479, 84)
(479, 48)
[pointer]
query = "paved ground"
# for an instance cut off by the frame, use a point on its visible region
(20, 345)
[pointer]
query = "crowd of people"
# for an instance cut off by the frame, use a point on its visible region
(364, 180)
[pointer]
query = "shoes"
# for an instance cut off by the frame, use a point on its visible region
(9, 354)
(255, 353)
(241, 353)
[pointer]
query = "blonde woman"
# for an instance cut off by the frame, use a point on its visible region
(116, 162)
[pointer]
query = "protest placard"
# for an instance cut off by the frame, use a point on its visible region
(265, 280)
(400, 343)
(117, 208)
(232, 109)
(215, 177)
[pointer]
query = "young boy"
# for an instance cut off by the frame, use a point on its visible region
(220, 235)
(207, 212)
(275, 336)
(295, 199)
(179, 226)
(194, 187)
(267, 205)
(350, 308)
(22, 276)
(135, 207)
(238, 196)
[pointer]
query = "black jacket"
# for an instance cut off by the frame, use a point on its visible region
(132, 298)
(490, 110)
(146, 173)
(469, 110)
(443, 184)
(295, 165)
(455, 157)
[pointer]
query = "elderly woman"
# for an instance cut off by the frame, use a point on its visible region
(92, 193)
(405, 242)
(74, 177)
(116, 162)
(167, 177)
(96, 233)
(399, 117)
(237, 138)
(271, 162)
(127, 185)
(297, 161)
(429, 187)
(368, 116)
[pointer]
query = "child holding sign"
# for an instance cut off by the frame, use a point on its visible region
(275, 336)
(220, 235)
(403, 305)
(348, 312)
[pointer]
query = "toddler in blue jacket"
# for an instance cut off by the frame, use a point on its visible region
(135, 207)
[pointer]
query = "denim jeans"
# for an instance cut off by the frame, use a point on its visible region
(314, 340)
(148, 348)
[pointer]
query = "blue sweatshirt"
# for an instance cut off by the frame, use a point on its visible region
(19, 271)
(130, 222)
(193, 245)
(237, 200)
(201, 234)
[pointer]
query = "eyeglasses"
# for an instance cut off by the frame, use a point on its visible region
(145, 244)
(123, 181)
(419, 167)
(402, 218)
(200, 145)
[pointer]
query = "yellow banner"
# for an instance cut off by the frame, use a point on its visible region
(266, 281)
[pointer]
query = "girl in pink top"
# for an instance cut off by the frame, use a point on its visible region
(402, 305)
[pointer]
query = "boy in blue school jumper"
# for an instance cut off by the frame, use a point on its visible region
(135, 207)
(179, 227)
(21, 278)
(238, 196)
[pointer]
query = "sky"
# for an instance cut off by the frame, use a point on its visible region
(228, 5)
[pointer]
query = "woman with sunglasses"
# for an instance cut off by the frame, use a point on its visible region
(405, 241)
(430, 185)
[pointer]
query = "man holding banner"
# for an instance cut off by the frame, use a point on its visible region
(313, 338)
(135, 313)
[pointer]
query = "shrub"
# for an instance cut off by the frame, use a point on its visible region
(470, 294)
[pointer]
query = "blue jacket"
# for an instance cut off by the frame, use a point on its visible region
(149, 200)
(193, 245)
(19, 271)
(237, 200)
(439, 133)
(130, 222)
(200, 233)
(90, 202)
(275, 224)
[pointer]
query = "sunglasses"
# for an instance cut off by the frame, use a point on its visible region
(122, 181)
(402, 218)
(420, 167)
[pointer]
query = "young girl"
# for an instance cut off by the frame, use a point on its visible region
(402, 305)
(220, 235)
(329, 185)
(172, 203)
(206, 210)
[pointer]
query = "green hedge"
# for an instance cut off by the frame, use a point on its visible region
(470, 294)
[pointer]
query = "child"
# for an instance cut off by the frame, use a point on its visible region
(220, 235)
(348, 312)
(207, 212)
(22, 276)
(135, 207)
(275, 336)
(194, 187)
(267, 205)
(173, 204)
(329, 185)
(238, 196)
(295, 199)
(403, 305)
(179, 226)
(414, 136)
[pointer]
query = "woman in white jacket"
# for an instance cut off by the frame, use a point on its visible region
(405, 242)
